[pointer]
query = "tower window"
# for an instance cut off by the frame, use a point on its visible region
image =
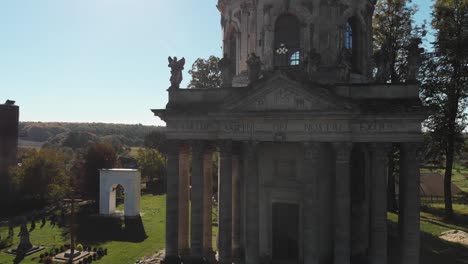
(287, 41)
(349, 37)
(295, 59)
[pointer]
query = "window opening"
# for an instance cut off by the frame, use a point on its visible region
(349, 37)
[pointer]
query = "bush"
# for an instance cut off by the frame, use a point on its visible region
(48, 260)
(79, 247)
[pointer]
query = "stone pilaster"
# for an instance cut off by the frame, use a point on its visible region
(410, 159)
(196, 230)
(225, 202)
(378, 248)
(342, 252)
(235, 207)
(172, 204)
(311, 198)
(252, 203)
(208, 203)
(184, 196)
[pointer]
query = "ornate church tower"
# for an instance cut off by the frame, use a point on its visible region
(303, 135)
(329, 41)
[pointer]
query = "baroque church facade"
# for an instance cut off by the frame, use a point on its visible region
(303, 132)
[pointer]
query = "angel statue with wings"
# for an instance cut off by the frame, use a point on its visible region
(177, 66)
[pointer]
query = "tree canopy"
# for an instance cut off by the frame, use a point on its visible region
(205, 73)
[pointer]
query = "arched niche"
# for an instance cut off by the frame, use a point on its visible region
(130, 180)
(232, 46)
(287, 41)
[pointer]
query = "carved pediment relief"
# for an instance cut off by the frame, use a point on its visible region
(282, 94)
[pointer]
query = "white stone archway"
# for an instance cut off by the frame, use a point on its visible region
(130, 180)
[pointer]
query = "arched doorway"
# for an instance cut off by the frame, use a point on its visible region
(118, 182)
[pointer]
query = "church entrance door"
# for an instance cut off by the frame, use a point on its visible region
(285, 225)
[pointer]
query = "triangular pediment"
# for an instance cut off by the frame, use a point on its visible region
(280, 93)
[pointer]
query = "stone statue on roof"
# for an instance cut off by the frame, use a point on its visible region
(224, 66)
(177, 66)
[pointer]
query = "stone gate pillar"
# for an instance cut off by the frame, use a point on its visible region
(208, 203)
(184, 196)
(342, 253)
(378, 249)
(172, 204)
(410, 207)
(251, 203)
(197, 219)
(311, 201)
(225, 202)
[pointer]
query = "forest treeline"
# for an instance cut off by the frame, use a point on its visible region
(77, 135)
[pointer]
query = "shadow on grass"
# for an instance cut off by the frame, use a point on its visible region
(433, 250)
(91, 229)
(461, 219)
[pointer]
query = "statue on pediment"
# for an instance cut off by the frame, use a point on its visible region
(344, 64)
(382, 62)
(414, 60)
(254, 65)
(224, 66)
(313, 61)
(177, 66)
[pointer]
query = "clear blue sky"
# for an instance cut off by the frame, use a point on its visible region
(103, 60)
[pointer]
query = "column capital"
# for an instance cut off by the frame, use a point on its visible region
(225, 147)
(312, 149)
(198, 146)
(250, 147)
(413, 151)
(172, 147)
(342, 151)
(380, 150)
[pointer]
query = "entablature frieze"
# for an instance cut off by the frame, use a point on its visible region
(282, 129)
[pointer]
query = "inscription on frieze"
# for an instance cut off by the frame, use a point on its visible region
(250, 127)
(325, 127)
(192, 125)
(371, 127)
(239, 127)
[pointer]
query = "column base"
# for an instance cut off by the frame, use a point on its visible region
(210, 256)
(198, 261)
(171, 260)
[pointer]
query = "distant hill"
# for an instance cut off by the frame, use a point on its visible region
(78, 135)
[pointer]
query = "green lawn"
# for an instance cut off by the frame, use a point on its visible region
(124, 244)
(435, 250)
(127, 242)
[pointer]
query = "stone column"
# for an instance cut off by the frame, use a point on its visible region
(251, 203)
(311, 198)
(225, 203)
(196, 230)
(378, 249)
(172, 204)
(342, 203)
(208, 204)
(235, 207)
(184, 196)
(409, 171)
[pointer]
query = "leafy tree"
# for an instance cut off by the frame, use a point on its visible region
(445, 87)
(205, 73)
(394, 30)
(98, 156)
(152, 164)
(42, 176)
(155, 139)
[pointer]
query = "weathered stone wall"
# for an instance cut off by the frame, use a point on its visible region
(9, 116)
(252, 23)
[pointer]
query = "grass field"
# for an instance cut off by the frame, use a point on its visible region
(127, 242)
(124, 244)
